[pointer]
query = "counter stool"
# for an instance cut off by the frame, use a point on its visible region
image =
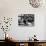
(21, 44)
(40, 44)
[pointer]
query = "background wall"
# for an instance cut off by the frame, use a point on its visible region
(11, 8)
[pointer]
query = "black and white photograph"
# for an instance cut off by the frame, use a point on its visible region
(26, 20)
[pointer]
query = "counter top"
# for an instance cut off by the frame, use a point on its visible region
(42, 41)
(2, 40)
(26, 41)
(38, 41)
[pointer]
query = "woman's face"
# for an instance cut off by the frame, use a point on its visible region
(35, 3)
